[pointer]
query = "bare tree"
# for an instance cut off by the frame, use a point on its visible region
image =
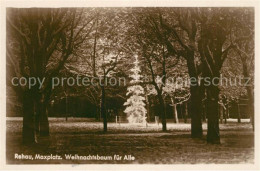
(46, 39)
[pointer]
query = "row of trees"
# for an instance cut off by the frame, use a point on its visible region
(39, 43)
(101, 43)
(204, 37)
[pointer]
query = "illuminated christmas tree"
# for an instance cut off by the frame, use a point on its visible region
(135, 110)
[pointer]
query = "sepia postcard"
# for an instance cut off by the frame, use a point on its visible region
(129, 85)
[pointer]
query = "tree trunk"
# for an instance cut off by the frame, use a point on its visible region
(196, 125)
(238, 112)
(251, 106)
(220, 111)
(213, 136)
(44, 123)
(196, 100)
(204, 113)
(175, 113)
(176, 119)
(225, 116)
(186, 112)
(148, 108)
(250, 92)
(163, 114)
(98, 112)
(29, 134)
(37, 117)
(103, 108)
(42, 113)
(66, 101)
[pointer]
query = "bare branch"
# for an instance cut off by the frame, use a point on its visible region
(21, 34)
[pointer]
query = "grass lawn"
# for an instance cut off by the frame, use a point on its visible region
(145, 144)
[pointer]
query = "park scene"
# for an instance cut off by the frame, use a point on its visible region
(130, 85)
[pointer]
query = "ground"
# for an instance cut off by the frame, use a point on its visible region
(146, 144)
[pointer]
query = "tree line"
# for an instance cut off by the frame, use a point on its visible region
(101, 42)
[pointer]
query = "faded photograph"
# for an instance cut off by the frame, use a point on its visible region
(130, 85)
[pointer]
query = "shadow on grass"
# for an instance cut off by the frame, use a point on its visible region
(148, 145)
